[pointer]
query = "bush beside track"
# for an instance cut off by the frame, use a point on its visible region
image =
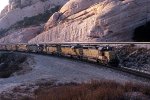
(11, 63)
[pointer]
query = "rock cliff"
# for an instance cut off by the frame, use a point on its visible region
(77, 20)
(22, 35)
(95, 20)
(19, 9)
(22, 17)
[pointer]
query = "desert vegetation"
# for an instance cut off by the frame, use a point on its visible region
(10, 63)
(95, 90)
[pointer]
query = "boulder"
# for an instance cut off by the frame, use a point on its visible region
(53, 20)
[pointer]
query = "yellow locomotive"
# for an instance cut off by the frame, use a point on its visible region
(104, 55)
(101, 54)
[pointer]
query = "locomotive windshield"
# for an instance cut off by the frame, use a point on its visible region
(105, 48)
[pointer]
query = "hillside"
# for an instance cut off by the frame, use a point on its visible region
(96, 20)
(76, 20)
(24, 19)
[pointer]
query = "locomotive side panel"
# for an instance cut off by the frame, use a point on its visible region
(90, 53)
(68, 51)
(13, 47)
(2, 47)
(32, 48)
(21, 47)
(40, 48)
(110, 55)
(51, 49)
(8, 47)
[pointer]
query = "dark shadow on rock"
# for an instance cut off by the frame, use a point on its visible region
(142, 33)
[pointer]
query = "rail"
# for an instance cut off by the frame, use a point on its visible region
(121, 68)
(96, 43)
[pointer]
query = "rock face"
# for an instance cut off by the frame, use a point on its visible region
(17, 10)
(21, 35)
(4, 12)
(13, 4)
(95, 20)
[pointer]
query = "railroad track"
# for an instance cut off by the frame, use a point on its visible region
(132, 71)
(120, 68)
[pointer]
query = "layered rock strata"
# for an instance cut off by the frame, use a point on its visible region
(17, 10)
(95, 20)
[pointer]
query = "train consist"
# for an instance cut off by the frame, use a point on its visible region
(101, 54)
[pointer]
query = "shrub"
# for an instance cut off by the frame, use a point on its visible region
(10, 63)
(95, 90)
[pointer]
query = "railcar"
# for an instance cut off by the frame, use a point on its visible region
(35, 48)
(101, 54)
(90, 53)
(108, 56)
(51, 49)
(2, 47)
(78, 49)
(8, 47)
(68, 50)
(21, 47)
(13, 47)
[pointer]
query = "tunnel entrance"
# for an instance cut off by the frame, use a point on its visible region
(142, 33)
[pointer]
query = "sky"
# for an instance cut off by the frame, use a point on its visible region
(3, 3)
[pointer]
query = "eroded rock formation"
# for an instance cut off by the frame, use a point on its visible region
(95, 20)
(17, 10)
(22, 35)
(22, 20)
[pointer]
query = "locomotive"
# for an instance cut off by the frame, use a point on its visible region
(101, 54)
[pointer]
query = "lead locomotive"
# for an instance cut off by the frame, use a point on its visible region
(101, 54)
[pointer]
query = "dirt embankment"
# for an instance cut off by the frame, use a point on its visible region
(11, 63)
(134, 57)
(94, 90)
(51, 75)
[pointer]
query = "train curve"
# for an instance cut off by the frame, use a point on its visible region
(103, 55)
(66, 70)
(124, 70)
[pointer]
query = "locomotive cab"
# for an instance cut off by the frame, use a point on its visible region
(108, 56)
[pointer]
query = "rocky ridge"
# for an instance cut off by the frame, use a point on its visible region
(19, 9)
(22, 35)
(95, 20)
(77, 20)
(22, 20)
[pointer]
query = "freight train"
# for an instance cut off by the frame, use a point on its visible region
(102, 54)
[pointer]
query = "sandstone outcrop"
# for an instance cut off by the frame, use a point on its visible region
(17, 10)
(21, 35)
(13, 4)
(95, 20)
(4, 12)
